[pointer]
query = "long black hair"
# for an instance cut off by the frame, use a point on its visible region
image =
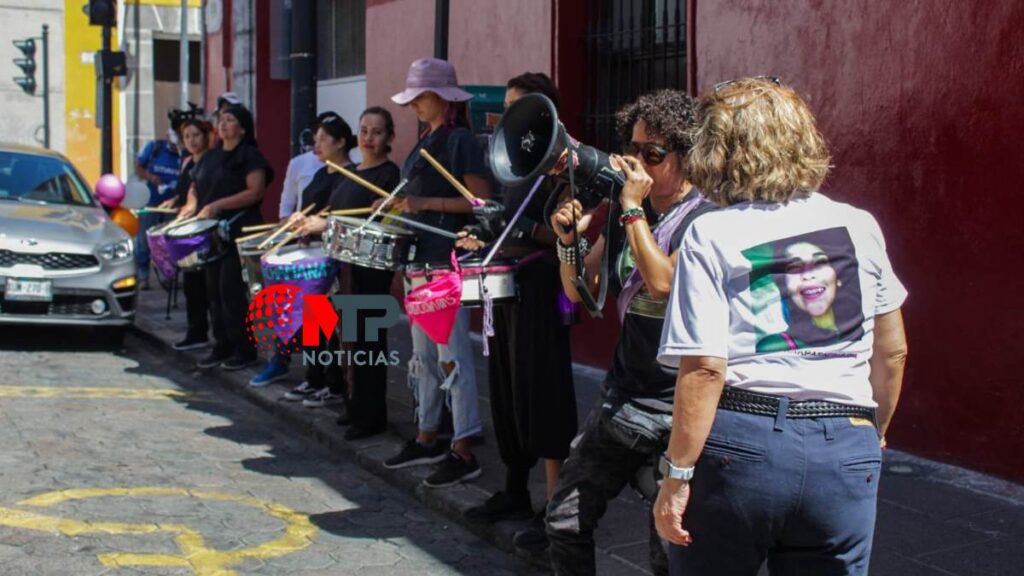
(336, 127)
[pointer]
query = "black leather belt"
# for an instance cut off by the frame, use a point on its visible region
(748, 402)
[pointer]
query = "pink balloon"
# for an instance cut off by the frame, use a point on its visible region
(110, 190)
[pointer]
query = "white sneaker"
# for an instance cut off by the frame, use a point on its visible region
(300, 392)
(321, 398)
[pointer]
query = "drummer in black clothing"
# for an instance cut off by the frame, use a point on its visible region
(228, 184)
(366, 400)
(332, 141)
(195, 136)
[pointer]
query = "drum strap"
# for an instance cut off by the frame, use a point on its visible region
(225, 225)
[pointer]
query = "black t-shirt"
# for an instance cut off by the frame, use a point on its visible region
(184, 182)
(347, 194)
(635, 371)
(460, 153)
(221, 173)
(318, 191)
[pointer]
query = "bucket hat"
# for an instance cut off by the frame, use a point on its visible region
(431, 75)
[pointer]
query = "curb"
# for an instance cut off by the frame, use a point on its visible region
(369, 454)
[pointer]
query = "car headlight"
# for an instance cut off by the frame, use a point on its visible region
(117, 251)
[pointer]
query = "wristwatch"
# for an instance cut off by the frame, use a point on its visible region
(668, 470)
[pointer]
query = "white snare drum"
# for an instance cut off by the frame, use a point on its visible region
(498, 278)
(249, 254)
(372, 245)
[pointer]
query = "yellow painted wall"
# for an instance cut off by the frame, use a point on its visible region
(82, 140)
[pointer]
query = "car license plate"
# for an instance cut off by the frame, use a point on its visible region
(31, 290)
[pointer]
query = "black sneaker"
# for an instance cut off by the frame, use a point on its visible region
(214, 358)
(416, 454)
(191, 343)
(502, 506)
(533, 538)
(300, 392)
(453, 470)
(239, 362)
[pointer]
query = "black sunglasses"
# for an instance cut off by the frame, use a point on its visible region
(652, 154)
(773, 79)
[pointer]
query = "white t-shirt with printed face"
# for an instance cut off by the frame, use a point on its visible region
(787, 293)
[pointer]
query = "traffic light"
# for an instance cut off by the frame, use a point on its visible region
(27, 65)
(102, 12)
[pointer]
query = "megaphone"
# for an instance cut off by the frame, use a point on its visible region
(530, 140)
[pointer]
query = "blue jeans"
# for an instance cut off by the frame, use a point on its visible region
(431, 386)
(800, 493)
(147, 220)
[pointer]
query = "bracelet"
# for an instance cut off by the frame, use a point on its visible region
(631, 215)
(567, 255)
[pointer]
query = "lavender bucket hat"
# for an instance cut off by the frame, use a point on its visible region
(431, 75)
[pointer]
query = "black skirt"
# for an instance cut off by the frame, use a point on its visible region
(533, 401)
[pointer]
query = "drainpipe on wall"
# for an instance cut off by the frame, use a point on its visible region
(303, 70)
(441, 29)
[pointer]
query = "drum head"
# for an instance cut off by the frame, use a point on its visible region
(293, 254)
(375, 225)
(192, 228)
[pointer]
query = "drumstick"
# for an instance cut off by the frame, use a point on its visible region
(260, 227)
(283, 227)
(156, 210)
(447, 175)
(291, 236)
(351, 211)
(249, 237)
(355, 178)
(424, 227)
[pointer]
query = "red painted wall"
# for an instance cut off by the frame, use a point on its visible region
(272, 113)
(920, 103)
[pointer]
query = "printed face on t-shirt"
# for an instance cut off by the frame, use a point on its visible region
(805, 291)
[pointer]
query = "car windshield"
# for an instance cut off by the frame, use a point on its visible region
(33, 178)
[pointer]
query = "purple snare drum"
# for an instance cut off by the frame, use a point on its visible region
(308, 268)
(196, 244)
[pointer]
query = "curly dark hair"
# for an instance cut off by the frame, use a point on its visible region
(668, 113)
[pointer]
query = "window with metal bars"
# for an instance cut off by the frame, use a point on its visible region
(633, 47)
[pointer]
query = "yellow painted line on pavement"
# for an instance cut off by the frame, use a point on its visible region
(196, 555)
(89, 392)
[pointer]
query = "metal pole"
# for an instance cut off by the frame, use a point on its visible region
(303, 69)
(441, 29)
(202, 55)
(46, 86)
(106, 131)
(183, 54)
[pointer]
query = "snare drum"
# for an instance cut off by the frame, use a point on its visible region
(498, 278)
(158, 252)
(196, 244)
(306, 267)
(375, 245)
(249, 254)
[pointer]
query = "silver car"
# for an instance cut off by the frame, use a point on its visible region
(62, 260)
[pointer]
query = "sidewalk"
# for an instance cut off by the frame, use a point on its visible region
(933, 519)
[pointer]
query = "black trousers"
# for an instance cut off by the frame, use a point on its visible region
(196, 304)
(598, 468)
(226, 293)
(533, 402)
(367, 400)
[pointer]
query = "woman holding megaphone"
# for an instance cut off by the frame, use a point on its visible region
(628, 430)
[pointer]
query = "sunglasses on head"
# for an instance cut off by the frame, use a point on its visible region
(652, 154)
(773, 79)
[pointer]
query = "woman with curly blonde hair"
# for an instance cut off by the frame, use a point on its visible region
(775, 451)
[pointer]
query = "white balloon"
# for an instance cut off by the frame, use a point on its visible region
(136, 195)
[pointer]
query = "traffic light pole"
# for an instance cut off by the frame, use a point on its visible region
(46, 86)
(106, 131)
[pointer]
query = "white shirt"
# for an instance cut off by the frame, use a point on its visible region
(787, 293)
(298, 175)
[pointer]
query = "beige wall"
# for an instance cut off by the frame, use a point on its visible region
(489, 41)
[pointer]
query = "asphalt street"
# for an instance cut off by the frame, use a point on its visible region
(116, 462)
